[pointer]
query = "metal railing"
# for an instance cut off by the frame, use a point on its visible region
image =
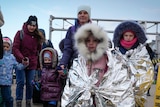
(154, 25)
(151, 27)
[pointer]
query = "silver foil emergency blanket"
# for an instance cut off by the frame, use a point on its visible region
(115, 90)
(141, 71)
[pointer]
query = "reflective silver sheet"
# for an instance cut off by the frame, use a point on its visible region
(124, 78)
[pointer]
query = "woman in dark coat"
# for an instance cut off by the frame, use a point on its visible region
(26, 50)
(69, 51)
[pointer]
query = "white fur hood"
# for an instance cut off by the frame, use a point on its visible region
(99, 33)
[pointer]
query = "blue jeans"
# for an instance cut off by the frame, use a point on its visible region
(6, 96)
(24, 77)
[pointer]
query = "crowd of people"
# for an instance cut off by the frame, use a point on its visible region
(91, 71)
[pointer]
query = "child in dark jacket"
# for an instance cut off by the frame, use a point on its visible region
(51, 80)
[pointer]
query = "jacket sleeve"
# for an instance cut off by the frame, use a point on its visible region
(39, 50)
(68, 48)
(1, 45)
(17, 47)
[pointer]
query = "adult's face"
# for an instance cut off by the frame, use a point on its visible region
(31, 28)
(83, 17)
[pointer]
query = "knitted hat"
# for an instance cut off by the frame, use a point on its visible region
(8, 40)
(50, 52)
(130, 32)
(85, 8)
(32, 20)
(47, 54)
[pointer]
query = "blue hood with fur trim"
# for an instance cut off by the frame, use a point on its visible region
(129, 25)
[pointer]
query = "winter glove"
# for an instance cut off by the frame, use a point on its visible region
(25, 61)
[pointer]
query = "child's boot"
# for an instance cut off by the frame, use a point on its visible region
(28, 103)
(19, 103)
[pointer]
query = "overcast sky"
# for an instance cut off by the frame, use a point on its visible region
(16, 12)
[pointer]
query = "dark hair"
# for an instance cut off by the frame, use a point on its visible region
(39, 36)
(32, 20)
(90, 33)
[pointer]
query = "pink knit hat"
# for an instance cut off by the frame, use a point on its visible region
(130, 31)
(8, 40)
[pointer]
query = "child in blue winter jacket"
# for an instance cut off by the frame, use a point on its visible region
(7, 64)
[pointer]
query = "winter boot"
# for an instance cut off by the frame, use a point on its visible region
(28, 103)
(19, 103)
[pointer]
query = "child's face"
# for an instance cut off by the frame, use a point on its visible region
(6, 46)
(47, 60)
(91, 43)
(128, 36)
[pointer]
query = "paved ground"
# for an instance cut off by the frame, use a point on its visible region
(149, 103)
(150, 99)
(23, 102)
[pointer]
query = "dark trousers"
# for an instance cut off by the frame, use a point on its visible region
(6, 96)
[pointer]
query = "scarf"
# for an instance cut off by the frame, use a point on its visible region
(128, 44)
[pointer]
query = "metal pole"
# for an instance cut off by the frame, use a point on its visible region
(50, 26)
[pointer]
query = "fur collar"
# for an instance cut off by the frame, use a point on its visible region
(98, 33)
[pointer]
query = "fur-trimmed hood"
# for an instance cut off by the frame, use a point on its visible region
(99, 33)
(54, 56)
(129, 25)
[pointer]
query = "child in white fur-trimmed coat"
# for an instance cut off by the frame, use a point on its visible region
(96, 78)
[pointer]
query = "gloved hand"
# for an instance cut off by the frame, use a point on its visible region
(25, 61)
(61, 70)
